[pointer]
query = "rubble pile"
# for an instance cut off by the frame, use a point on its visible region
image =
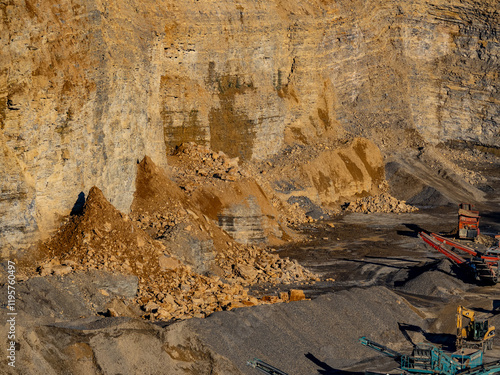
(158, 225)
(379, 203)
(485, 240)
(181, 294)
(153, 209)
(185, 264)
(104, 238)
(248, 265)
(193, 164)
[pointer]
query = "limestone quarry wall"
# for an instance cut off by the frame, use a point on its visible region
(87, 87)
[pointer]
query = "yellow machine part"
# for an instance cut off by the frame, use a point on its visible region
(462, 331)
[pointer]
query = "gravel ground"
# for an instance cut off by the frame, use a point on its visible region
(297, 337)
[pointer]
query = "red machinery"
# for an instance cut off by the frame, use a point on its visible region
(485, 266)
(468, 221)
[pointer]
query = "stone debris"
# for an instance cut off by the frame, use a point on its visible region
(185, 264)
(379, 203)
(249, 265)
(197, 163)
(485, 240)
(297, 295)
(194, 166)
(105, 239)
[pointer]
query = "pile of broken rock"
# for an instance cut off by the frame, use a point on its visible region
(169, 288)
(186, 265)
(380, 203)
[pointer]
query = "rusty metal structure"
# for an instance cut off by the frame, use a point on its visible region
(468, 221)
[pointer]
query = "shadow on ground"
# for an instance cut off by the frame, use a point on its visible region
(445, 340)
(327, 369)
(413, 231)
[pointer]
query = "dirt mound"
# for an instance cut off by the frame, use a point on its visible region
(229, 195)
(163, 210)
(160, 204)
(379, 203)
(156, 193)
(187, 223)
(103, 238)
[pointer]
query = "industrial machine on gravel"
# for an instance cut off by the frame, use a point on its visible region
(476, 334)
(424, 359)
(484, 266)
(468, 221)
(429, 359)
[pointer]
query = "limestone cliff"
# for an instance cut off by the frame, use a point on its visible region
(87, 87)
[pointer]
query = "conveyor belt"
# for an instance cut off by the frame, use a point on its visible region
(486, 369)
(437, 245)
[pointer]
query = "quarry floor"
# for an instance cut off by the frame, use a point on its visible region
(383, 249)
(358, 249)
(363, 250)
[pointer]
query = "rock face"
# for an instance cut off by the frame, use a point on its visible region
(88, 87)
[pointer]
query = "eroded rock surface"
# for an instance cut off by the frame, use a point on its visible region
(87, 88)
(254, 116)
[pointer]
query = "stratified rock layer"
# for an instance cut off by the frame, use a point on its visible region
(88, 87)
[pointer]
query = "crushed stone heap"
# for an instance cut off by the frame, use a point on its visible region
(196, 165)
